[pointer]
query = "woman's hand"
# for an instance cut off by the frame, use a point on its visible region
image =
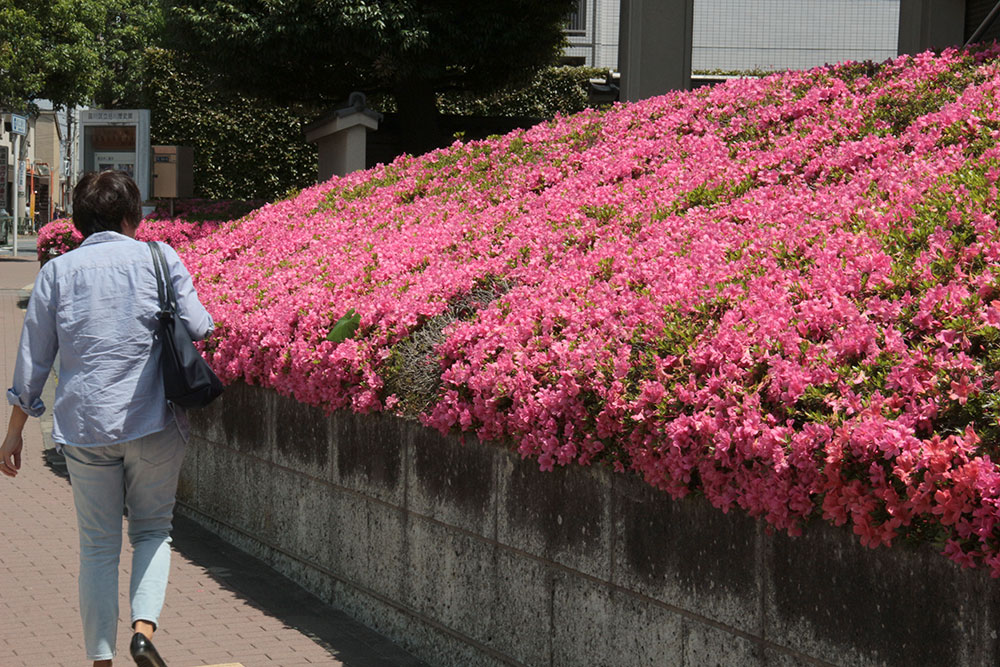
(10, 453)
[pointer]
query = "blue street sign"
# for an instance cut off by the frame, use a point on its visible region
(18, 124)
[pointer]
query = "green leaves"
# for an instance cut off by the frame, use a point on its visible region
(244, 148)
(318, 52)
(345, 327)
(50, 50)
(74, 51)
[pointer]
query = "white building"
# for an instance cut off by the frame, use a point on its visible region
(739, 35)
(592, 32)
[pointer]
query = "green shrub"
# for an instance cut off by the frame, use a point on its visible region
(243, 148)
(555, 90)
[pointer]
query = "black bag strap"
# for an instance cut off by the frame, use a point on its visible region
(164, 286)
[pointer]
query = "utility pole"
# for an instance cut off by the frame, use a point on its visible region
(69, 164)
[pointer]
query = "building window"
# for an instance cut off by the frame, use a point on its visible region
(577, 22)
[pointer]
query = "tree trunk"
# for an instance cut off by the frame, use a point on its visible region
(419, 120)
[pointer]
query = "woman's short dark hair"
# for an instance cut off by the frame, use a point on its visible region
(101, 202)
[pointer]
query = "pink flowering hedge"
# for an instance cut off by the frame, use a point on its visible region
(56, 238)
(782, 293)
(191, 219)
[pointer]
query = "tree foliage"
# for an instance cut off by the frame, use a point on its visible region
(129, 28)
(293, 50)
(319, 51)
(74, 51)
(49, 50)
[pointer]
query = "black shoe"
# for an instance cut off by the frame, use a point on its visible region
(144, 653)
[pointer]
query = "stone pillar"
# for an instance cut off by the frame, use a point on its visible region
(930, 24)
(654, 47)
(342, 137)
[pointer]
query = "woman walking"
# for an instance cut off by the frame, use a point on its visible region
(97, 307)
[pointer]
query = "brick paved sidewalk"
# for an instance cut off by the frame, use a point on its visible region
(222, 605)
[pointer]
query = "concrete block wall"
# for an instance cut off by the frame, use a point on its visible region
(466, 555)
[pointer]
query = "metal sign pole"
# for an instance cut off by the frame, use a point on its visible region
(17, 183)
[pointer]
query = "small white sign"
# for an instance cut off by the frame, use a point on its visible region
(18, 124)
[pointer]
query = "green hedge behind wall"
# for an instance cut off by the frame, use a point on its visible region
(245, 148)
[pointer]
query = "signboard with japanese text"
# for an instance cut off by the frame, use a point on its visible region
(18, 124)
(112, 116)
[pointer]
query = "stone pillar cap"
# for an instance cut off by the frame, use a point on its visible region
(355, 113)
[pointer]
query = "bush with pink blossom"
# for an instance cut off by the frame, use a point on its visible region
(56, 238)
(190, 219)
(781, 293)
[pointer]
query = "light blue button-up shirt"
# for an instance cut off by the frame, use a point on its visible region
(96, 306)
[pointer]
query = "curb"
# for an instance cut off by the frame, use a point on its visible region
(24, 294)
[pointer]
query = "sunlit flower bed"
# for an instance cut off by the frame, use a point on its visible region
(780, 293)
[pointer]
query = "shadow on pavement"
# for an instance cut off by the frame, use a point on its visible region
(56, 463)
(344, 639)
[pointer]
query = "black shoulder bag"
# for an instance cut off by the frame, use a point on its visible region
(188, 381)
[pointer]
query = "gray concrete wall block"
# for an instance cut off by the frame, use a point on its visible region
(450, 578)
(521, 611)
(582, 613)
(418, 635)
(687, 554)
(986, 596)
(777, 658)
(831, 596)
(643, 634)
(595, 624)
(708, 645)
(562, 516)
(222, 486)
(247, 418)
(346, 551)
(261, 513)
(301, 520)
(302, 438)
(207, 422)
(188, 485)
(369, 453)
(452, 482)
(365, 543)
(387, 542)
